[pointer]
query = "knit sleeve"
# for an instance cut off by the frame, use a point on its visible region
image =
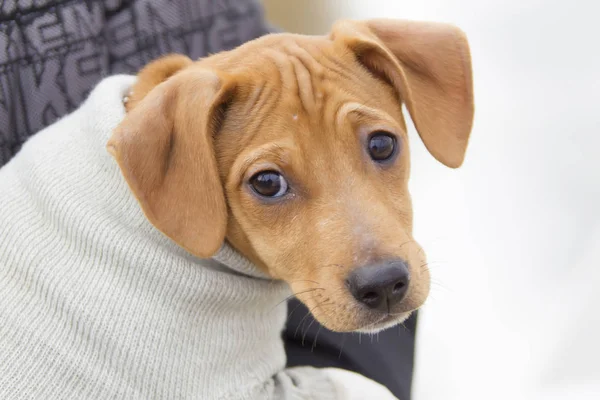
(308, 383)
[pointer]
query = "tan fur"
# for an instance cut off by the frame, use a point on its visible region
(303, 106)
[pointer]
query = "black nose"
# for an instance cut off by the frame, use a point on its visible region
(381, 285)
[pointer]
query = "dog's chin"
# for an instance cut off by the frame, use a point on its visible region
(349, 315)
(384, 323)
(367, 321)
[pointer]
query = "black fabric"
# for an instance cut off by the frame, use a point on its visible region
(386, 357)
(53, 52)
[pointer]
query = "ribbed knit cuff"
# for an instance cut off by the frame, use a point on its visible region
(303, 383)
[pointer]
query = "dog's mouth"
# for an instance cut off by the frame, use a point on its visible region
(367, 299)
(385, 322)
(350, 316)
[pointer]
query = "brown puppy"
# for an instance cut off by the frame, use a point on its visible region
(294, 149)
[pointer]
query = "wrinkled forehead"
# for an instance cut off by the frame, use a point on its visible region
(307, 81)
(306, 72)
(304, 99)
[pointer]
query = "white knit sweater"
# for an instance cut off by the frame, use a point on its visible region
(95, 303)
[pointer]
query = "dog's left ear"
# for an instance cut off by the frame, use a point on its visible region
(429, 65)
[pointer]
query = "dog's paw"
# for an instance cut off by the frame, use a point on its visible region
(352, 386)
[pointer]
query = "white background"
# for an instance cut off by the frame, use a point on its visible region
(514, 236)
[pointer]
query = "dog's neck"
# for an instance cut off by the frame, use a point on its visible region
(111, 283)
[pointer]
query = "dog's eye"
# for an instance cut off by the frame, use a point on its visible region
(269, 184)
(382, 146)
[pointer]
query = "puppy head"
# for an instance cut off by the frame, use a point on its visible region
(294, 149)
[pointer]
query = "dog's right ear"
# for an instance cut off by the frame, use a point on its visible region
(164, 148)
(154, 74)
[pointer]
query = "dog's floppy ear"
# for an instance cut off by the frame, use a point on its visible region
(164, 148)
(429, 65)
(153, 74)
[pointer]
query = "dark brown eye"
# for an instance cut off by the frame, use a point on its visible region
(269, 184)
(382, 146)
